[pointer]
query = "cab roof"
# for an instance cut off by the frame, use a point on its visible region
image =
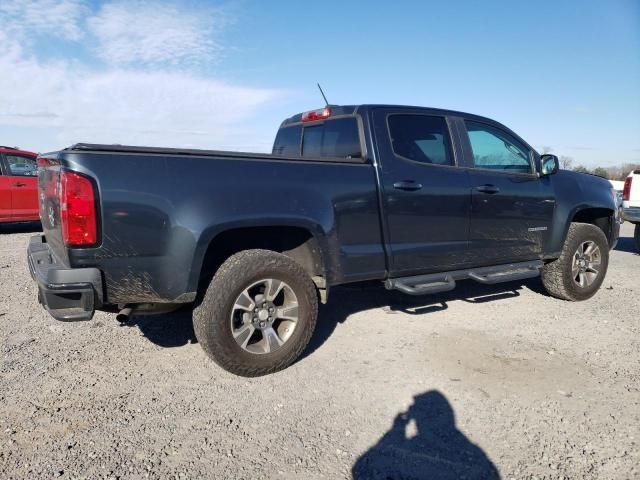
(4, 149)
(341, 110)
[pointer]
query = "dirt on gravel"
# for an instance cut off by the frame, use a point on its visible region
(484, 381)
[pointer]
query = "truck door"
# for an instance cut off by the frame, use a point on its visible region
(22, 171)
(5, 193)
(425, 196)
(511, 207)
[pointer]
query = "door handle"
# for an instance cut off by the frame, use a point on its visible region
(408, 185)
(19, 184)
(487, 189)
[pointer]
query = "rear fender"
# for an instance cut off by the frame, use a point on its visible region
(208, 236)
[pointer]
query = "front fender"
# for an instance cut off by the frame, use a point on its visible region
(578, 195)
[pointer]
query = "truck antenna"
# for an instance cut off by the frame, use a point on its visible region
(323, 96)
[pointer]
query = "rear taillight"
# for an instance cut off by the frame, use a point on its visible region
(626, 190)
(77, 210)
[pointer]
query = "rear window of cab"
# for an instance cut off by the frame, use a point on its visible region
(336, 138)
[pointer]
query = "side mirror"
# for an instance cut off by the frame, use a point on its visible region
(550, 164)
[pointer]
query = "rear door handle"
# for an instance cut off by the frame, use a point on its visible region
(487, 189)
(408, 185)
(20, 184)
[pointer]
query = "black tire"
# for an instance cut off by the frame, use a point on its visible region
(636, 236)
(557, 276)
(212, 318)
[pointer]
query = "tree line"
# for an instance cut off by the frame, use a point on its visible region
(618, 172)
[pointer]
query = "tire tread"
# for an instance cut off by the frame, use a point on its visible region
(222, 286)
(554, 274)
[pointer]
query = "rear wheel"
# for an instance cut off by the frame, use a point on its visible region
(258, 314)
(636, 236)
(582, 266)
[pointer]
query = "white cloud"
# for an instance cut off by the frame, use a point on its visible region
(22, 19)
(156, 33)
(148, 94)
(149, 107)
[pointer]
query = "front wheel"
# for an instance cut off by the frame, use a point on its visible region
(258, 314)
(582, 266)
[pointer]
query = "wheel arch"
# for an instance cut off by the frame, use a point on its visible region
(299, 240)
(601, 217)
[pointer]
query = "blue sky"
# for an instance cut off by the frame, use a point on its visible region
(565, 75)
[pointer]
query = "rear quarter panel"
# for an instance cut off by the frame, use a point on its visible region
(159, 214)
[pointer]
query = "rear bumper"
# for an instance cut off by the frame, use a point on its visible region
(68, 294)
(631, 214)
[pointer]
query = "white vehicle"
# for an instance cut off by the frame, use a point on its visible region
(631, 202)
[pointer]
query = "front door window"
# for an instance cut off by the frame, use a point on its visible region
(494, 149)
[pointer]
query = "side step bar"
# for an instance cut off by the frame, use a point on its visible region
(445, 281)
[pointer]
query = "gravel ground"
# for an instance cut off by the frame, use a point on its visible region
(479, 382)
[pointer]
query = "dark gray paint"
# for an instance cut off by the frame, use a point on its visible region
(160, 209)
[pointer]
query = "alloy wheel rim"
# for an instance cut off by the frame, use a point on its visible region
(586, 264)
(264, 316)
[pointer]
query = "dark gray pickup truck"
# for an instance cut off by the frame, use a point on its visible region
(417, 198)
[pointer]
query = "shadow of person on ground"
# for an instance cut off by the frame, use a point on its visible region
(424, 443)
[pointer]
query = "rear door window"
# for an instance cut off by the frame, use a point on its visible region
(421, 138)
(288, 141)
(338, 138)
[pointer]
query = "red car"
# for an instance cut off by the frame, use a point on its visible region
(18, 186)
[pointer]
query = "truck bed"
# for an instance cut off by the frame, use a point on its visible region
(160, 209)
